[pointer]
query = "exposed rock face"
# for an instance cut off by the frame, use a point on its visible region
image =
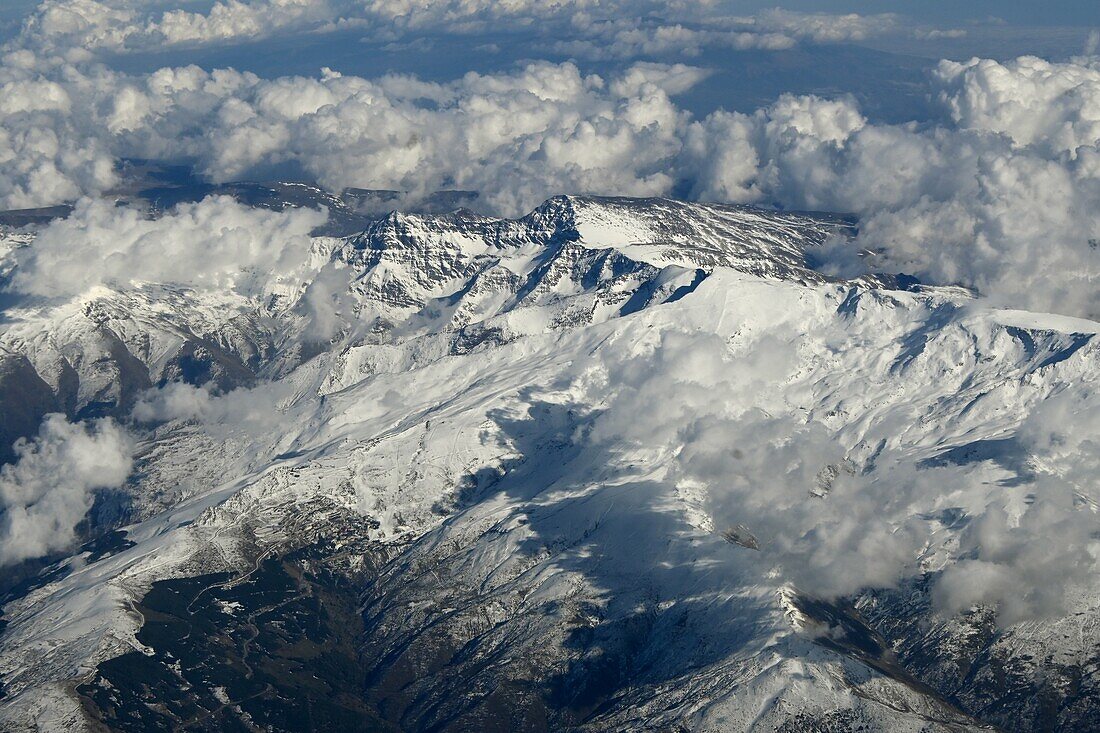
(26, 399)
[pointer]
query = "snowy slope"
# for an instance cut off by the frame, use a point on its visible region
(484, 421)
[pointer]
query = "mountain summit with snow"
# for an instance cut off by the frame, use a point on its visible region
(619, 464)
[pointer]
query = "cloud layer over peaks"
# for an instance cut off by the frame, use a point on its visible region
(1000, 195)
(216, 243)
(833, 519)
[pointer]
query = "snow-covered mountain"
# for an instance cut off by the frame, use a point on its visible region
(589, 469)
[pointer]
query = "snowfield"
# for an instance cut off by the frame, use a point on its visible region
(621, 465)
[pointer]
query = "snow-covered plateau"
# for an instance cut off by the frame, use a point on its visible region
(620, 464)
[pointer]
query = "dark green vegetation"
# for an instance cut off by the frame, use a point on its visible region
(275, 649)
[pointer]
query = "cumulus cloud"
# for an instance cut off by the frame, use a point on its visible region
(636, 35)
(50, 487)
(761, 467)
(245, 411)
(1051, 107)
(82, 24)
(173, 401)
(216, 243)
(825, 517)
(518, 137)
(1022, 560)
(74, 27)
(47, 155)
(825, 27)
(239, 415)
(1002, 211)
(327, 304)
(235, 19)
(1064, 432)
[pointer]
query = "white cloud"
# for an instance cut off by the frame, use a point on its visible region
(637, 35)
(120, 25)
(516, 137)
(725, 419)
(240, 414)
(49, 489)
(75, 27)
(1053, 107)
(216, 243)
(825, 27)
(46, 154)
(234, 19)
(1024, 563)
(173, 401)
(79, 24)
(826, 519)
(625, 37)
(935, 34)
(1012, 217)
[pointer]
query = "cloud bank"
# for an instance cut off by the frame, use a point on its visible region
(969, 204)
(214, 244)
(832, 520)
(49, 489)
(1002, 195)
(599, 27)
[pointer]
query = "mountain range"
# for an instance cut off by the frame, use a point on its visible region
(457, 472)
